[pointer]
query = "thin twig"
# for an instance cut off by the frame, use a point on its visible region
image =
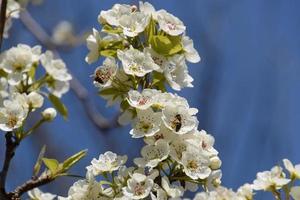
(80, 91)
(2, 19)
(29, 185)
(11, 144)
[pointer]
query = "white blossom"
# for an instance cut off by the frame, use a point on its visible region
(293, 170)
(104, 75)
(56, 68)
(37, 194)
(85, 190)
(246, 191)
(176, 73)
(295, 192)
(63, 33)
(214, 180)
(113, 16)
(12, 114)
(12, 9)
(93, 42)
(172, 190)
(134, 23)
(34, 100)
(190, 52)
(169, 23)
(196, 164)
(152, 155)
(18, 60)
(164, 133)
(136, 63)
(269, 180)
(142, 100)
(58, 88)
(221, 193)
(177, 147)
(139, 186)
(146, 123)
(178, 119)
(107, 162)
(3, 89)
(202, 140)
(148, 9)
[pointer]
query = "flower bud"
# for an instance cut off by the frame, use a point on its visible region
(49, 114)
(215, 162)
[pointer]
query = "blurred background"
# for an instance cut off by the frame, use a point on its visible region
(247, 86)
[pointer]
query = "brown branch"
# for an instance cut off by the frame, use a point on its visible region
(2, 19)
(11, 144)
(29, 185)
(80, 91)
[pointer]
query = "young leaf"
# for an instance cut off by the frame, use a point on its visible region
(166, 45)
(38, 164)
(109, 29)
(67, 164)
(58, 105)
(51, 164)
(108, 91)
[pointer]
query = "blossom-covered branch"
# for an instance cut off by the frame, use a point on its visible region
(80, 91)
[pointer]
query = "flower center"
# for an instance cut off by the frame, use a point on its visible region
(134, 67)
(171, 26)
(12, 121)
(192, 165)
(17, 66)
(139, 189)
(143, 101)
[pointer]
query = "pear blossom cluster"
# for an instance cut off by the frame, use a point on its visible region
(146, 50)
(22, 91)
(145, 53)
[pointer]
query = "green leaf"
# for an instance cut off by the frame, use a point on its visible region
(58, 105)
(3, 73)
(108, 53)
(67, 164)
(108, 91)
(109, 29)
(105, 183)
(124, 105)
(51, 164)
(157, 78)
(31, 72)
(166, 45)
(150, 30)
(38, 164)
(109, 48)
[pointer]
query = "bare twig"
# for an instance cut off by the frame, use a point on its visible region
(29, 185)
(80, 91)
(2, 19)
(11, 144)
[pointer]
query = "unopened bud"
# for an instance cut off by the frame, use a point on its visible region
(49, 114)
(215, 163)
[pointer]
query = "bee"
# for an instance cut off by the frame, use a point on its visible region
(177, 122)
(98, 76)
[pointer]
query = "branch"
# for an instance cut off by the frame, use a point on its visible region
(11, 144)
(2, 19)
(29, 185)
(80, 91)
